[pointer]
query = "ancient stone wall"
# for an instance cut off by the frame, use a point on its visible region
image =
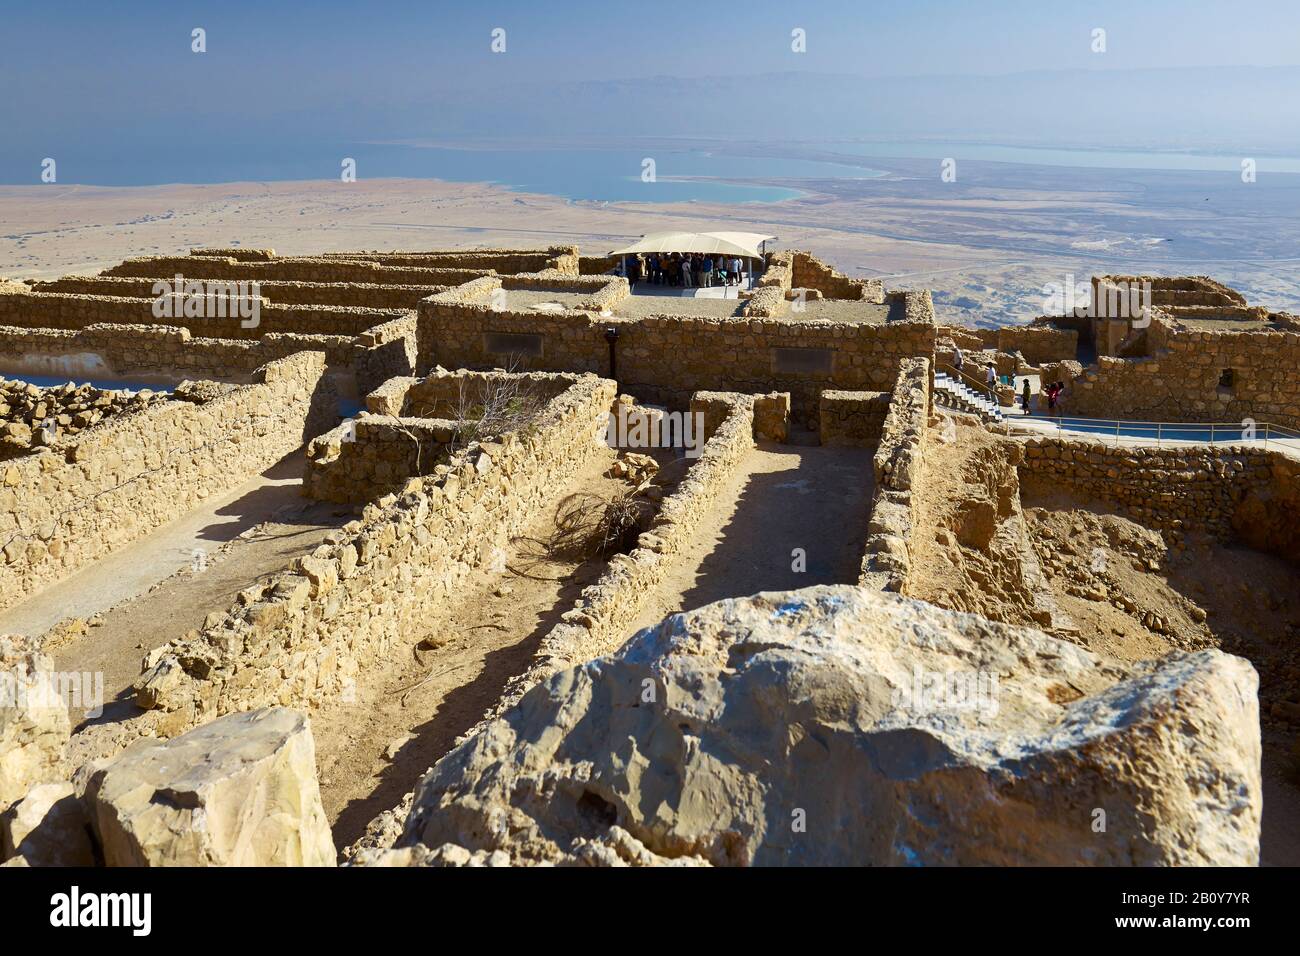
(63, 310)
(304, 634)
(320, 269)
(235, 252)
(852, 418)
(899, 466)
(374, 455)
(367, 295)
(599, 621)
(61, 510)
(809, 272)
(383, 352)
(1039, 344)
(667, 358)
(1232, 493)
(154, 353)
(563, 259)
(1180, 380)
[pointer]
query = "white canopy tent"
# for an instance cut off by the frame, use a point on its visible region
(709, 243)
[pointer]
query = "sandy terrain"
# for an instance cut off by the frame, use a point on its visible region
(988, 245)
(1126, 595)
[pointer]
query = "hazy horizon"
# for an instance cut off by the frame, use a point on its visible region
(121, 84)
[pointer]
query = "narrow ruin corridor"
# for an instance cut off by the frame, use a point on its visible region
(410, 707)
(781, 498)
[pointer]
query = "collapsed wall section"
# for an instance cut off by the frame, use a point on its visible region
(809, 272)
(61, 510)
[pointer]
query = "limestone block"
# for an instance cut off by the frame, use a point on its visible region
(48, 827)
(836, 726)
(239, 791)
(34, 724)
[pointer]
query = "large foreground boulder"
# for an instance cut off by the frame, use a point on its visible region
(34, 723)
(48, 827)
(239, 791)
(835, 725)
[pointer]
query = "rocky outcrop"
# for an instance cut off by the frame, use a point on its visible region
(34, 724)
(48, 827)
(239, 791)
(836, 725)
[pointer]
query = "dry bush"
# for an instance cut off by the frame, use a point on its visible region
(504, 404)
(589, 525)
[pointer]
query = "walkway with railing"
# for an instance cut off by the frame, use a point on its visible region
(1118, 433)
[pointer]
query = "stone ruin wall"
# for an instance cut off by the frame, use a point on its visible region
(563, 259)
(599, 621)
(404, 434)
(305, 634)
(319, 269)
(61, 510)
(1179, 380)
(155, 353)
(65, 310)
(854, 419)
(1231, 493)
(1039, 344)
(809, 272)
(383, 352)
(899, 466)
(235, 252)
(668, 358)
(373, 456)
(361, 295)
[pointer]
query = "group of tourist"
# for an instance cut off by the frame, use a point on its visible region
(685, 269)
(1051, 391)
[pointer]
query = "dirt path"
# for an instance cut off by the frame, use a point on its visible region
(782, 497)
(409, 710)
(250, 535)
(139, 566)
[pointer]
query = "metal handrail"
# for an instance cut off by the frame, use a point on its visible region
(992, 393)
(1125, 428)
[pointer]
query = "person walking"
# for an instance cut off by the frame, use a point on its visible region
(957, 358)
(1024, 398)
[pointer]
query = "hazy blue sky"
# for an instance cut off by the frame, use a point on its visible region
(121, 74)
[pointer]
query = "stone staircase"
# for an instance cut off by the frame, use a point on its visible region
(954, 394)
